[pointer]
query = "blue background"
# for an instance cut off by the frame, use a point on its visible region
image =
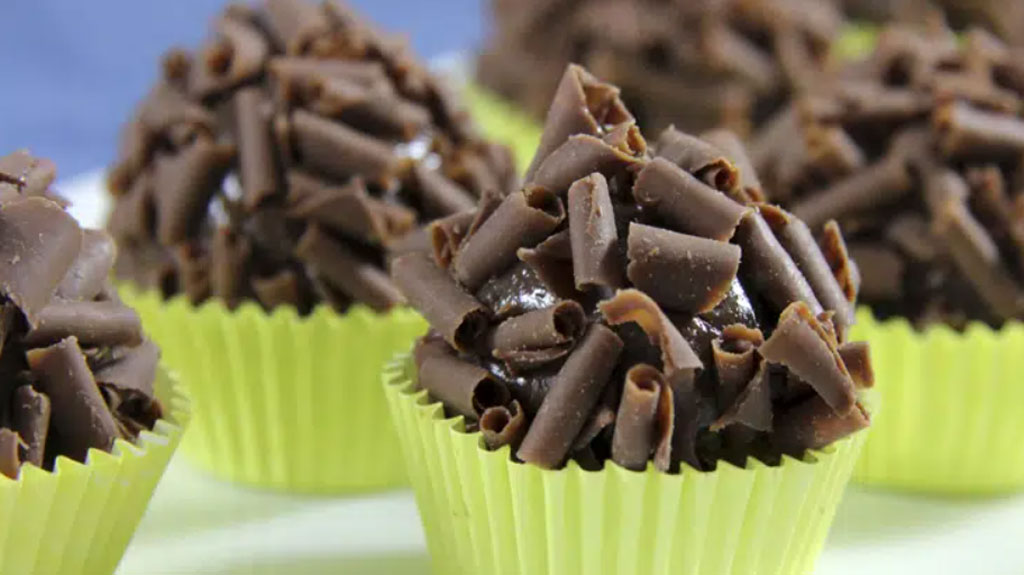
(73, 69)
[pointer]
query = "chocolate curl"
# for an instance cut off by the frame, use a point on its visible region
(466, 389)
(571, 398)
(236, 56)
(522, 220)
(90, 270)
(857, 359)
(27, 174)
(257, 164)
(803, 346)
(796, 237)
(134, 371)
(94, 323)
(30, 417)
(503, 426)
(193, 271)
(833, 246)
(373, 108)
(698, 157)
(184, 184)
(39, 243)
(446, 235)
(131, 217)
(683, 273)
(279, 289)
(592, 234)
(883, 183)
(292, 78)
(866, 102)
(582, 105)
(884, 271)
(634, 437)
(747, 188)
(813, 424)
(551, 261)
(831, 152)
(770, 267)
(966, 132)
(295, 24)
(332, 261)
(539, 336)
(943, 185)
(727, 51)
(753, 406)
(977, 257)
(582, 155)
(79, 415)
(685, 203)
(229, 258)
(352, 212)
(339, 152)
(735, 362)
(10, 449)
(913, 236)
(994, 207)
(439, 195)
(630, 305)
(458, 316)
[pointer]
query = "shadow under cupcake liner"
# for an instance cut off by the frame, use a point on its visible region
(483, 513)
(953, 408)
(282, 401)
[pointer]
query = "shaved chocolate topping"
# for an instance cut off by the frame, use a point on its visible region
(671, 317)
(287, 161)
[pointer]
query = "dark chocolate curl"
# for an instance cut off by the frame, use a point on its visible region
(229, 259)
(457, 315)
(30, 417)
(882, 183)
(803, 346)
(736, 362)
(572, 397)
(753, 407)
(522, 220)
(503, 426)
(551, 261)
(767, 264)
(699, 158)
(635, 306)
(339, 152)
(582, 105)
(10, 449)
(833, 246)
(467, 389)
(38, 245)
(440, 195)
(685, 203)
(352, 212)
(333, 262)
(583, 155)
(94, 323)
(966, 132)
(257, 164)
(813, 424)
(79, 414)
(857, 359)
(748, 188)
(681, 272)
(446, 235)
(184, 184)
(91, 268)
(633, 440)
(558, 325)
(134, 370)
(295, 24)
(594, 239)
(796, 237)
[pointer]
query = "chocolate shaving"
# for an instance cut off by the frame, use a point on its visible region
(770, 267)
(856, 356)
(634, 438)
(582, 155)
(551, 330)
(593, 236)
(813, 424)
(448, 308)
(685, 203)
(94, 323)
(699, 158)
(635, 306)
(30, 417)
(501, 426)
(467, 389)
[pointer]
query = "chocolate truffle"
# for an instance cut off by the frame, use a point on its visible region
(77, 371)
(697, 65)
(917, 152)
(287, 158)
(637, 304)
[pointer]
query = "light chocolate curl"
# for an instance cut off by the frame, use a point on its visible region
(593, 236)
(582, 155)
(539, 336)
(639, 428)
(503, 426)
(685, 203)
(698, 157)
(465, 388)
(770, 267)
(459, 317)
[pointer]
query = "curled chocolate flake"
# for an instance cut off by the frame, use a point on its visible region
(352, 212)
(503, 426)
(752, 407)
(30, 417)
(183, 186)
(770, 267)
(698, 157)
(257, 164)
(635, 306)
(813, 424)
(359, 279)
(593, 236)
(856, 357)
(747, 188)
(94, 323)
(685, 203)
(883, 183)
(735, 361)
(459, 317)
(966, 132)
(85, 278)
(10, 449)
(229, 259)
(553, 328)
(467, 389)
(582, 155)
(634, 438)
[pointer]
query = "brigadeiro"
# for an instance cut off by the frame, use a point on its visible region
(698, 65)
(78, 379)
(638, 307)
(277, 168)
(918, 152)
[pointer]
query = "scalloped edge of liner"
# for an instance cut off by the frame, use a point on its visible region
(1014, 328)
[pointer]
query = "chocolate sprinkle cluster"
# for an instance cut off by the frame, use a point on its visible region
(1003, 17)
(76, 371)
(287, 157)
(635, 304)
(918, 152)
(697, 65)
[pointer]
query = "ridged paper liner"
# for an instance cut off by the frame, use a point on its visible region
(283, 401)
(953, 408)
(79, 518)
(483, 513)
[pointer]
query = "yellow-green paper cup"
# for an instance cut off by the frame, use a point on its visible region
(953, 417)
(79, 518)
(282, 401)
(483, 513)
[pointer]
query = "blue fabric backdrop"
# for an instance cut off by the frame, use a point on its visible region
(71, 69)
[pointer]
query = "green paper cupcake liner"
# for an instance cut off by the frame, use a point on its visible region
(483, 513)
(79, 518)
(283, 401)
(953, 417)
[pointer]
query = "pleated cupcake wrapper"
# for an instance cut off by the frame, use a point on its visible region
(953, 408)
(483, 513)
(79, 518)
(283, 401)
